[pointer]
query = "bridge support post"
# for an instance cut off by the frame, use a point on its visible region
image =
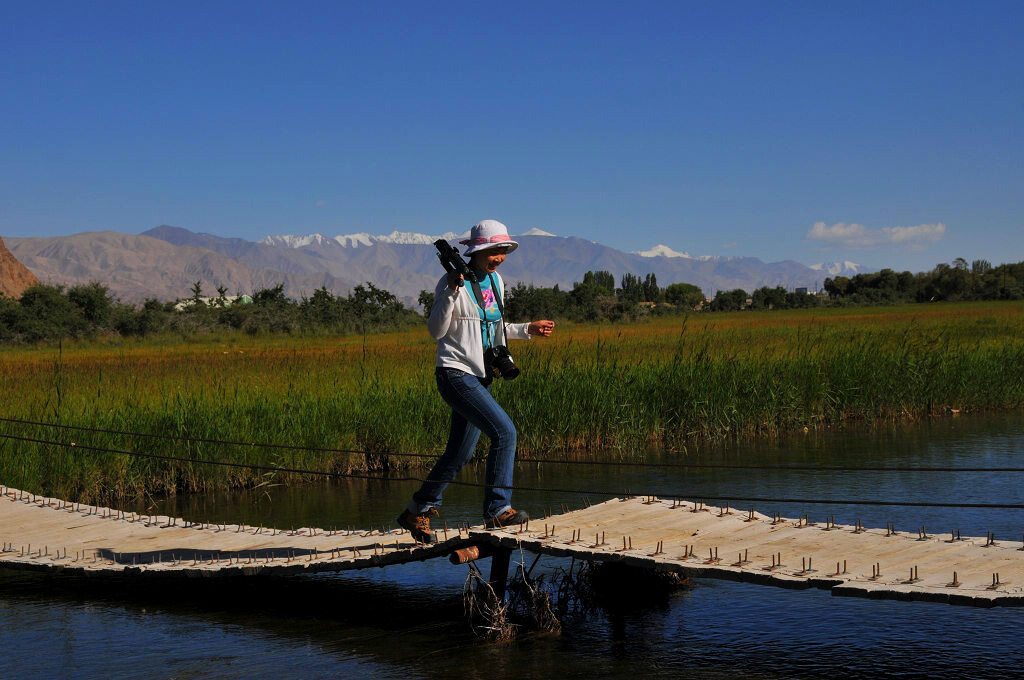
(499, 571)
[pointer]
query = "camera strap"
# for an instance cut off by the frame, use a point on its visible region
(479, 295)
(501, 307)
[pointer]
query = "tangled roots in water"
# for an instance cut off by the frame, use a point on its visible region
(542, 603)
(488, 615)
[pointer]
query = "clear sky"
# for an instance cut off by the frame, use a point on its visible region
(885, 133)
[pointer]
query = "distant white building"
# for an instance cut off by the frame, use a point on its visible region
(214, 302)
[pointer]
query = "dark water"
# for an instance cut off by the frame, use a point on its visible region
(406, 621)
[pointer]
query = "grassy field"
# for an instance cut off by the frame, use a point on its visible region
(609, 390)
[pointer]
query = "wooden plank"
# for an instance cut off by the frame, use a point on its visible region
(47, 534)
(690, 541)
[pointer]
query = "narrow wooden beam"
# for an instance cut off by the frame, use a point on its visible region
(499, 571)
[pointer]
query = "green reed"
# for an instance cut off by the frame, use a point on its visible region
(611, 390)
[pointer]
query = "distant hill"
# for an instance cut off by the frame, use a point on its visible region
(546, 259)
(165, 261)
(136, 266)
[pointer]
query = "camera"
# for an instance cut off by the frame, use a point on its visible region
(451, 261)
(499, 361)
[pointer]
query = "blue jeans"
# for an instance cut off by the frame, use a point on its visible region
(473, 410)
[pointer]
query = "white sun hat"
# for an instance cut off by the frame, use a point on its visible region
(487, 234)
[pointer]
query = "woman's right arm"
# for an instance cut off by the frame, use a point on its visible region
(443, 310)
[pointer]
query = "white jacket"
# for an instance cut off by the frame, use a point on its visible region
(455, 324)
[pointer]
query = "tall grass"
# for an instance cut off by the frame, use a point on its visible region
(666, 382)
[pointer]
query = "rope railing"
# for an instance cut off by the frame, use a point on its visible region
(596, 492)
(558, 461)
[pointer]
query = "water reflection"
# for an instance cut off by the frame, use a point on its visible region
(405, 621)
(995, 440)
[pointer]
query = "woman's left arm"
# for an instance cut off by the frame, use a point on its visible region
(523, 331)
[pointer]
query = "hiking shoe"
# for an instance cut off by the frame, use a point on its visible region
(418, 524)
(508, 518)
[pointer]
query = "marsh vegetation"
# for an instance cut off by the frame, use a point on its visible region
(613, 388)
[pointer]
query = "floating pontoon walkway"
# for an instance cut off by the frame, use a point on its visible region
(693, 540)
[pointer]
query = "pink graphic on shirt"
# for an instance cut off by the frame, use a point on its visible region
(488, 298)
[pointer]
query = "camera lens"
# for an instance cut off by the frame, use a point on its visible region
(509, 372)
(502, 363)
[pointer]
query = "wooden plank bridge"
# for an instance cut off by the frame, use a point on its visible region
(691, 539)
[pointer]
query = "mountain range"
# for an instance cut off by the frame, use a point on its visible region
(166, 261)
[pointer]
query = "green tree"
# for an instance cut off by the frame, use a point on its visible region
(265, 297)
(729, 301)
(602, 280)
(152, 318)
(980, 267)
(48, 314)
(369, 300)
(769, 298)
(323, 308)
(425, 301)
(632, 289)
(837, 287)
(94, 302)
(684, 295)
(652, 293)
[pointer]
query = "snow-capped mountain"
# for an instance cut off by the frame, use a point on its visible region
(355, 240)
(358, 239)
(363, 238)
(845, 268)
(165, 262)
(413, 238)
(296, 241)
(662, 251)
(553, 259)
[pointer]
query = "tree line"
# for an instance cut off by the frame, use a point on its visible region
(47, 312)
(945, 282)
(954, 281)
(595, 298)
(52, 312)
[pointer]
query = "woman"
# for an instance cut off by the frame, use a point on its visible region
(464, 328)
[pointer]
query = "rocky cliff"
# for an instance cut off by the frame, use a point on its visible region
(14, 276)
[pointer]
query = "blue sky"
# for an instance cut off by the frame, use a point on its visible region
(889, 134)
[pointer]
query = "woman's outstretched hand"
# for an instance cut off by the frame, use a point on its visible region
(541, 328)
